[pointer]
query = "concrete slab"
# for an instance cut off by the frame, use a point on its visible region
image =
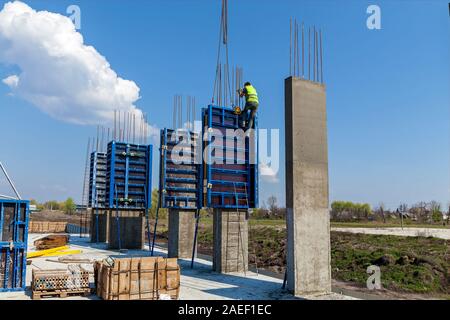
(199, 283)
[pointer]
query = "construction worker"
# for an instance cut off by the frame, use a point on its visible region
(251, 103)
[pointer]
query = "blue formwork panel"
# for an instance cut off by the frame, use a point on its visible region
(231, 157)
(129, 176)
(180, 180)
(14, 215)
(97, 180)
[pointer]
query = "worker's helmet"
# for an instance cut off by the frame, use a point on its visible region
(247, 84)
(237, 110)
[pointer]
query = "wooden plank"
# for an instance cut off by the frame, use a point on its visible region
(37, 295)
(124, 279)
(51, 241)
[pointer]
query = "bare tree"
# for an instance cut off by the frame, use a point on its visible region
(380, 211)
(403, 207)
(272, 205)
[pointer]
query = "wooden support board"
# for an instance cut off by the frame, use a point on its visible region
(37, 295)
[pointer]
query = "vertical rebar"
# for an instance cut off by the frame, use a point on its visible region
(134, 127)
(321, 57)
(317, 56)
(303, 50)
(290, 46)
(309, 53)
(114, 132)
(298, 51)
(118, 126)
(314, 51)
(295, 48)
(83, 197)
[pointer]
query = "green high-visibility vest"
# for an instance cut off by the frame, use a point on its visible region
(251, 95)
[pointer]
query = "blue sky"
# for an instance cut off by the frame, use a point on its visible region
(387, 90)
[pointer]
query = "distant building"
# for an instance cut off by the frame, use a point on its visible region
(33, 208)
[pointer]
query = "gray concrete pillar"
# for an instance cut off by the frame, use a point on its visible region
(230, 233)
(100, 224)
(181, 233)
(308, 219)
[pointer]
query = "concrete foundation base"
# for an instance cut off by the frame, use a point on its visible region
(126, 231)
(230, 233)
(308, 219)
(100, 223)
(181, 234)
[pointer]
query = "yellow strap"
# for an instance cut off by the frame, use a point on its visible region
(44, 252)
(62, 253)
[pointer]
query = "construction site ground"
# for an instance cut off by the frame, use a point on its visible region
(199, 283)
(267, 240)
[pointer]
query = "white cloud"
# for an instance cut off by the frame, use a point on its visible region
(59, 73)
(268, 173)
(11, 81)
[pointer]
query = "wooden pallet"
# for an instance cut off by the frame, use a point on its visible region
(37, 295)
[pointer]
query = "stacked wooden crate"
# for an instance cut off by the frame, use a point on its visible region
(46, 227)
(60, 283)
(137, 278)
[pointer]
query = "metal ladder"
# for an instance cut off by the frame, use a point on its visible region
(240, 242)
(155, 228)
(249, 229)
(147, 220)
(197, 220)
(117, 218)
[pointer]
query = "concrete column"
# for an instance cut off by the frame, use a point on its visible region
(308, 220)
(102, 227)
(131, 227)
(181, 233)
(230, 233)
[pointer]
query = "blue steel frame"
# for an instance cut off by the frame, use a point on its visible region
(113, 174)
(93, 175)
(18, 246)
(251, 171)
(167, 201)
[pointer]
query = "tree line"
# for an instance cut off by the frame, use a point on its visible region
(420, 212)
(68, 206)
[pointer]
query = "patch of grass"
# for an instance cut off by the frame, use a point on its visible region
(267, 222)
(409, 264)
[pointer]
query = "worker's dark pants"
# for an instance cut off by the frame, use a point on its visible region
(250, 116)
